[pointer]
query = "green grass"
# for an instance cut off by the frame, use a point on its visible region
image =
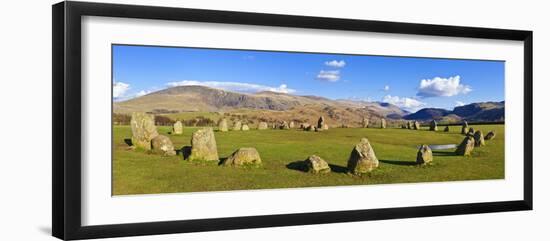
(136, 172)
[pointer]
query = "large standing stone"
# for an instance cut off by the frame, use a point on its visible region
(163, 145)
(237, 126)
(382, 123)
(177, 129)
(203, 146)
(316, 165)
(409, 125)
(244, 156)
(365, 122)
(464, 128)
(424, 155)
(433, 126)
(466, 146)
(321, 122)
(222, 126)
(291, 125)
(446, 129)
(362, 158)
(478, 139)
(143, 130)
(262, 126)
(245, 127)
(490, 135)
(416, 125)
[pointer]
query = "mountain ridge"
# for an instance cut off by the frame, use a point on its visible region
(264, 104)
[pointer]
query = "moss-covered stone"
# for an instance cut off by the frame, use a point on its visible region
(245, 156)
(203, 146)
(362, 158)
(143, 130)
(163, 145)
(315, 164)
(424, 155)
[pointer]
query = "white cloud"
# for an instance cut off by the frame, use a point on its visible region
(119, 89)
(442, 87)
(143, 92)
(386, 88)
(329, 75)
(336, 63)
(234, 86)
(409, 104)
(459, 103)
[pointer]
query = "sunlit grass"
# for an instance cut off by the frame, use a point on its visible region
(136, 172)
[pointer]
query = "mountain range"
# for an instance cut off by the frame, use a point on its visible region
(273, 105)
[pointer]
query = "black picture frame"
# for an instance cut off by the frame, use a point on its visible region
(66, 75)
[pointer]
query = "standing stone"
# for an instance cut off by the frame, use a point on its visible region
(245, 127)
(466, 147)
(244, 156)
(490, 135)
(362, 158)
(284, 126)
(222, 126)
(262, 126)
(471, 131)
(416, 125)
(464, 128)
(203, 146)
(478, 139)
(325, 127)
(304, 126)
(365, 122)
(143, 130)
(403, 126)
(163, 145)
(177, 129)
(446, 129)
(424, 155)
(433, 126)
(237, 126)
(321, 122)
(382, 123)
(273, 126)
(316, 165)
(291, 125)
(409, 125)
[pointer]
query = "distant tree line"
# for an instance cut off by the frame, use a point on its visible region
(161, 120)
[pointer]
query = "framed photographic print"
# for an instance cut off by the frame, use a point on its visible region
(169, 120)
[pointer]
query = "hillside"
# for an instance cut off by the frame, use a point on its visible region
(262, 105)
(477, 112)
(427, 114)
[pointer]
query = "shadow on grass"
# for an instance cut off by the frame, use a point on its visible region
(399, 163)
(302, 167)
(297, 166)
(184, 151)
(338, 169)
(443, 153)
(128, 141)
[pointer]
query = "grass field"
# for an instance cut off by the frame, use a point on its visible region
(136, 172)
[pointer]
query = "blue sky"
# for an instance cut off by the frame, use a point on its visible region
(411, 83)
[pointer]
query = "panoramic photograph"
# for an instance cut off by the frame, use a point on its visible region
(201, 119)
